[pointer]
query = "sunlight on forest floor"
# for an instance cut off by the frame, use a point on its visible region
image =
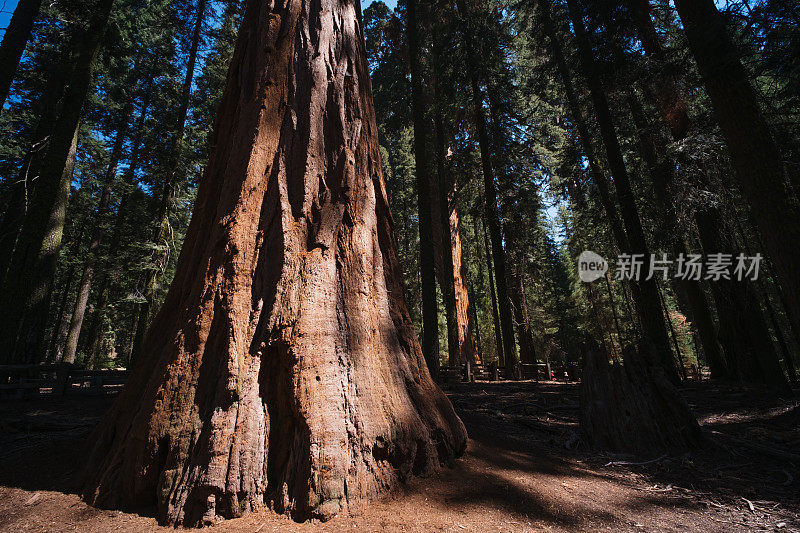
(517, 475)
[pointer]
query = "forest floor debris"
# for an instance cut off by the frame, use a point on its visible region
(525, 470)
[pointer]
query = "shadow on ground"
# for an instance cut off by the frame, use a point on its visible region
(525, 469)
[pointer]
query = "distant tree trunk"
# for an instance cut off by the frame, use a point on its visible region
(788, 358)
(442, 238)
(495, 233)
(283, 369)
(645, 291)
(473, 310)
(498, 332)
(449, 267)
(28, 284)
(430, 307)
(129, 184)
(54, 350)
(743, 332)
(754, 153)
(171, 181)
(14, 40)
(662, 171)
(524, 331)
(85, 286)
(467, 325)
(491, 212)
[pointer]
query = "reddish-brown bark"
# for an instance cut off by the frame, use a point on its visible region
(467, 348)
(283, 369)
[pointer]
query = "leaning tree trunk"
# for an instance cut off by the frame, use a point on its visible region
(14, 40)
(284, 369)
(756, 158)
(662, 172)
(645, 291)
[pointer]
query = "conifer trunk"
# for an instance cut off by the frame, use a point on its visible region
(645, 291)
(662, 172)
(756, 159)
(430, 306)
(171, 181)
(443, 246)
(283, 369)
(28, 284)
(498, 331)
(450, 269)
(87, 275)
(129, 183)
(743, 333)
(14, 40)
(22, 190)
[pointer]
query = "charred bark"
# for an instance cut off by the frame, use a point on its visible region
(633, 407)
(283, 369)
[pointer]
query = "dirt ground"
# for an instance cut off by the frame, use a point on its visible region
(525, 469)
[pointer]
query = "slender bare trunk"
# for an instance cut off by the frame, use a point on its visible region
(14, 40)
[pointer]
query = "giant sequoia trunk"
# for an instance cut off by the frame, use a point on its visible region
(449, 267)
(491, 209)
(283, 368)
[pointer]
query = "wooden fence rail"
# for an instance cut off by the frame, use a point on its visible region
(23, 381)
(492, 372)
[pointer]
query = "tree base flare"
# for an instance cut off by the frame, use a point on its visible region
(633, 407)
